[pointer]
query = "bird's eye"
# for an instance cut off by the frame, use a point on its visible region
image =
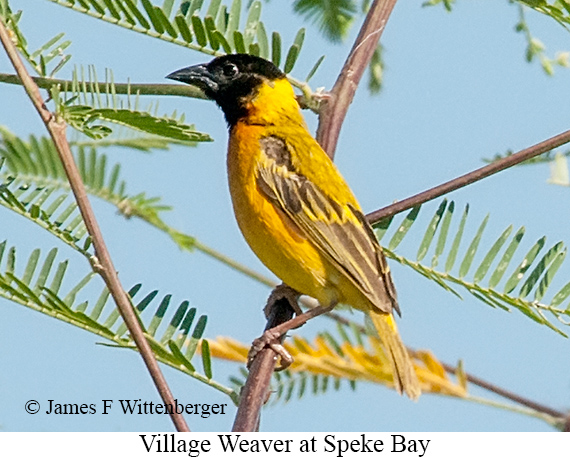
(230, 70)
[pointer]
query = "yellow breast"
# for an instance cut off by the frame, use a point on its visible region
(267, 230)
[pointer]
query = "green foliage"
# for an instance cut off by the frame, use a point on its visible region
(286, 385)
(535, 48)
(125, 138)
(334, 20)
(333, 17)
(36, 165)
(559, 10)
(103, 104)
(557, 160)
(84, 118)
(49, 58)
(523, 289)
(40, 202)
(314, 69)
(33, 185)
(40, 287)
(447, 4)
(51, 210)
(218, 29)
(34, 176)
(88, 103)
(376, 71)
(293, 53)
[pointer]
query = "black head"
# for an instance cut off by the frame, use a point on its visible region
(230, 80)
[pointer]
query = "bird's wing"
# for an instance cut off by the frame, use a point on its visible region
(337, 228)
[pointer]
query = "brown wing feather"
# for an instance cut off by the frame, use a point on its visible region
(337, 229)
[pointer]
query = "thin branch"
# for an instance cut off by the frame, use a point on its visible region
(556, 422)
(470, 178)
(144, 88)
(127, 25)
(102, 263)
(120, 88)
(507, 394)
(233, 264)
(255, 392)
(340, 97)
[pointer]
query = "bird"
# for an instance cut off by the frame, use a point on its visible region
(293, 207)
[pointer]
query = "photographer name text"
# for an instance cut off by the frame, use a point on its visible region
(128, 407)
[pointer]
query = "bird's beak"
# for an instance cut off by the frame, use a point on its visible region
(199, 76)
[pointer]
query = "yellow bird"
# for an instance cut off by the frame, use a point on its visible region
(293, 207)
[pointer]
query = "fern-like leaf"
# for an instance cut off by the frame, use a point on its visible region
(51, 53)
(89, 106)
(523, 289)
(36, 164)
(333, 18)
(327, 360)
(34, 176)
(124, 138)
(39, 287)
(85, 119)
(208, 30)
(52, 210)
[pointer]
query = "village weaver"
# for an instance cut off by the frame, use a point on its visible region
(293, 207)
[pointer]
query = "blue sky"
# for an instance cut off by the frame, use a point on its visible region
(457, 89)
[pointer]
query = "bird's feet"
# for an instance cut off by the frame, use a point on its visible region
(281, 302)
(273, 336)
(270, 339)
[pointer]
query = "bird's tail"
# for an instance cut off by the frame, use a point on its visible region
(405, 379)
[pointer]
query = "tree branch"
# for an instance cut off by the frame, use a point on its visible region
(470, 178)
(120, 88)
(139, 88)
(102, 263)
(336, 106)
(255, 392)
(507, 394)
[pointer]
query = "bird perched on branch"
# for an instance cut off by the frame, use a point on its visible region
(292, 205)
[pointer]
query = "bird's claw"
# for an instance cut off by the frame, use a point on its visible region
(268, 339)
